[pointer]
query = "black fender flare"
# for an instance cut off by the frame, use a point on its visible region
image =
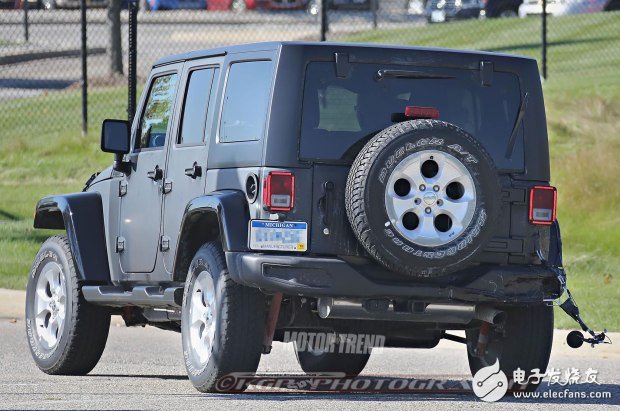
(222, 214)
(81, 216)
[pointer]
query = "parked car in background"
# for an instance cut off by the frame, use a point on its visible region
(234, 5)
(154, 5)
(501, 8)
(18, 4)
(281, 4)
(439, 11)
(415, 7)
(566, 7)
(313, 5)
(70, 4)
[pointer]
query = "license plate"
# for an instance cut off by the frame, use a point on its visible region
(438, 16)
(278, 235)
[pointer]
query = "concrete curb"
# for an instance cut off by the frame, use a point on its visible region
(42, 55)
(13, 302)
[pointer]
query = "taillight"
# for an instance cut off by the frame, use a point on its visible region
(279, 191)
(543, 202)
(421, 112)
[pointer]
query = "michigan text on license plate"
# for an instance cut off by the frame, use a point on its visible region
(278, 235)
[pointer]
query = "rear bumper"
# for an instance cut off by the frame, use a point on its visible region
(332, 277)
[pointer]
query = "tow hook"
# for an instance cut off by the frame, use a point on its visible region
(574, 339)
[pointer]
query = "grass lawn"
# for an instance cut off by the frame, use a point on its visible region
(579, 44)
(40, 157)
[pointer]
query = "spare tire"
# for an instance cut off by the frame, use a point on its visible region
(422, 197)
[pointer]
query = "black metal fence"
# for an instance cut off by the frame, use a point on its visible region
(46, 53)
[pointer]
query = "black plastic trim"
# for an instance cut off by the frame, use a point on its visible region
(232, 212)
(81, 216)
(318, 276)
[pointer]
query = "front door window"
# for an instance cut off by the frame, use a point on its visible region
(154, 122)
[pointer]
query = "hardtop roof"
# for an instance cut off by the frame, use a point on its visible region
(265, 46)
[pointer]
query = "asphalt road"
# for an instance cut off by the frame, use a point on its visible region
(142, 368)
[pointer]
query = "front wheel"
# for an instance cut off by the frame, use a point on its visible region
(66, 334)
(222, 323)
(524, 342)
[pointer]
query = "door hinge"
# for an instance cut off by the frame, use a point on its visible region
(166, 187)
(164, 244)
(122, 188)
(120, 244)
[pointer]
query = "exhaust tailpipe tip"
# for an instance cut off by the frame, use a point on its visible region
(490, 315)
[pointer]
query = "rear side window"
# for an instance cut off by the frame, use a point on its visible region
(246, 101)
(195, 107)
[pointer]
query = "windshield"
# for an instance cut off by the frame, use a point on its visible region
(341, 114)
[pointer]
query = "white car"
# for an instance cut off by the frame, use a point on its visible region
(564, 7)
(534, 7)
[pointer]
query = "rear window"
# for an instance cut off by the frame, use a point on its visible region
(341, 114)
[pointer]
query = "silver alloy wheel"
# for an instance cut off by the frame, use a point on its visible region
(50, 302)
(430, 198)
(202, 317)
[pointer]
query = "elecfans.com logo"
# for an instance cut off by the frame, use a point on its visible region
(490, 383)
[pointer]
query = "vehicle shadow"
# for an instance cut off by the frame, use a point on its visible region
(147, 376)
(404, 389)
(554, 394)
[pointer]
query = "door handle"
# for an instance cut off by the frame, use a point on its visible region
(156, 174)
(194, 171)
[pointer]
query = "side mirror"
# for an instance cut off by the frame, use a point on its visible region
(115, 138)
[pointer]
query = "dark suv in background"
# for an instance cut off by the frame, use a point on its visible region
(438, 11)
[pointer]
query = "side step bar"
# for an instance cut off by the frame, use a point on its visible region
(141, 296)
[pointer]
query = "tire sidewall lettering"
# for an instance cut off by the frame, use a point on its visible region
(381, 238)
(406, 149)
(44, 256)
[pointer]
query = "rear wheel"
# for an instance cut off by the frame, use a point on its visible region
(523, 342)
(222, 323)
(315, 361)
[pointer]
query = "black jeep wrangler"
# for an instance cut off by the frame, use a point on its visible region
(274, 188)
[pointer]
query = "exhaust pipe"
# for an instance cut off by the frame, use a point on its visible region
(490, 315)
(383, 309)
